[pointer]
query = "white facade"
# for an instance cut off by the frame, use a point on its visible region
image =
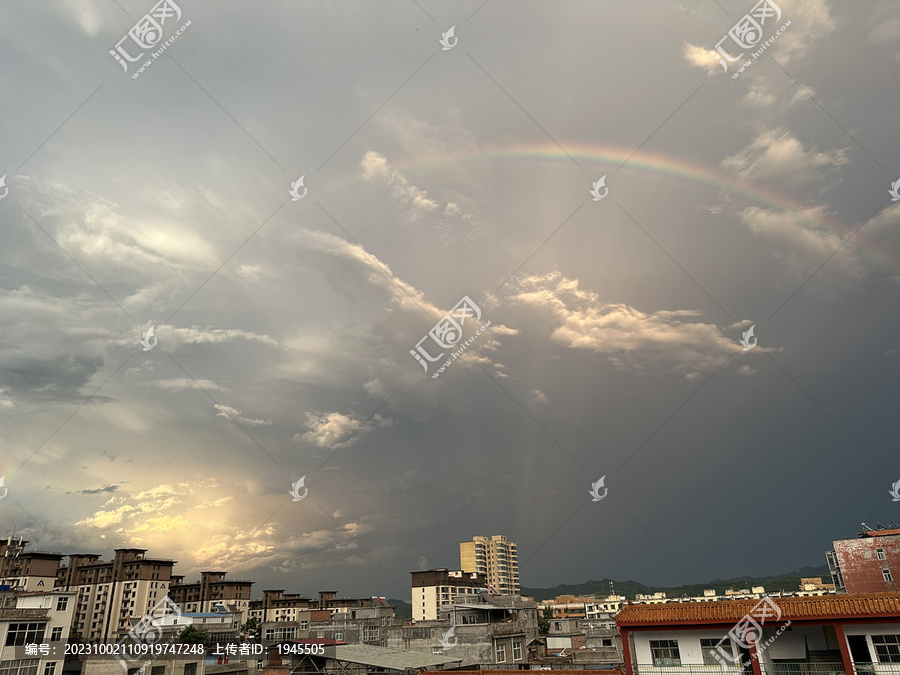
(794, 644)
(36, 619)
(429, 601)
(30, 583)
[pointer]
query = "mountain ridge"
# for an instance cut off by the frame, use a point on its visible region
(629, 588)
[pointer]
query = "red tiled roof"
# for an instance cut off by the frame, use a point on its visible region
(855, 606)
(607, 671)
(878, 533)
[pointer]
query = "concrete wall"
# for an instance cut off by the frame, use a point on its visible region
(861, 568)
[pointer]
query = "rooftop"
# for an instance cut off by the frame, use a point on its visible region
(385, 657)
(878, 533)
(821, 607)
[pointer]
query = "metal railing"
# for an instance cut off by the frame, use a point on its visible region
(827, 668)
(686, 669)
(815, 668)
(861, 668)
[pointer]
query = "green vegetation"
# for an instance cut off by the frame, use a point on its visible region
(251, 629)
(786, 582)
(191, 636)
(544, 621)
(404, 609)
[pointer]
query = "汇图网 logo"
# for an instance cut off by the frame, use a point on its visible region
(295, 489)
(296, 196)
(147, 33)
(147, 336)
(448, 333)
(445, 639)
(745, 340)
(595, 489)
(449, 39)
(747, 33)
(596, 190)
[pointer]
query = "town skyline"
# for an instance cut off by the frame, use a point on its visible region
(320, 290)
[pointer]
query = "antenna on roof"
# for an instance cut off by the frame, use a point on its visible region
(867, 528)
(893, 525)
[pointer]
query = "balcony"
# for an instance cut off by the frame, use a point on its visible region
(827, 668)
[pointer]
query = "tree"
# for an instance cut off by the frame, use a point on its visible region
(544, 620)
(75, 637)
(251, 629)
(191, 636)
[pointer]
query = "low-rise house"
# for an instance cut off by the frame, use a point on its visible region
(37, 618)
(833, 634)
(481, 629)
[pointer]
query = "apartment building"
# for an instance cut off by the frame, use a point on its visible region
(496, 558)
(867, 564)
(433, 590)
(366, 625)
(578, 607)
(41, 617)
(110, 593)
(211, 593)
(27, 570)
(278, 606)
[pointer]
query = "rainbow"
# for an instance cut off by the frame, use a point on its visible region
(615, 157)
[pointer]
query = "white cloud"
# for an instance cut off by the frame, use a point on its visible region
(335, 430)
(700, 57)
(184, 383)
(234, 415)
(451, 219)
(799, 241)
(776, 156)
(537, 396)
(662, 340)
(375, 165)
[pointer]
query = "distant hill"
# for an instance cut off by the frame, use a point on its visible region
(629, 588)
(404, 609)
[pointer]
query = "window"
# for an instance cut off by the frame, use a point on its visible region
(370, 633)
(134, 671)
(606, 642)
(708, 647)
(517, 651)
(338, 635)
(158, 670)
(880, 553)
(259, 664)
(56, 634)
(557, 625)
(20, 633)
(49, 668)
(62, 603)
(501, 653)
(274, 634)
(304, 625)
(437, 650)
(887, 575)
(665, 652)
(190, 668)
(887, 647)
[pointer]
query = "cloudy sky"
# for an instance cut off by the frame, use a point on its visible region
(611, 328)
